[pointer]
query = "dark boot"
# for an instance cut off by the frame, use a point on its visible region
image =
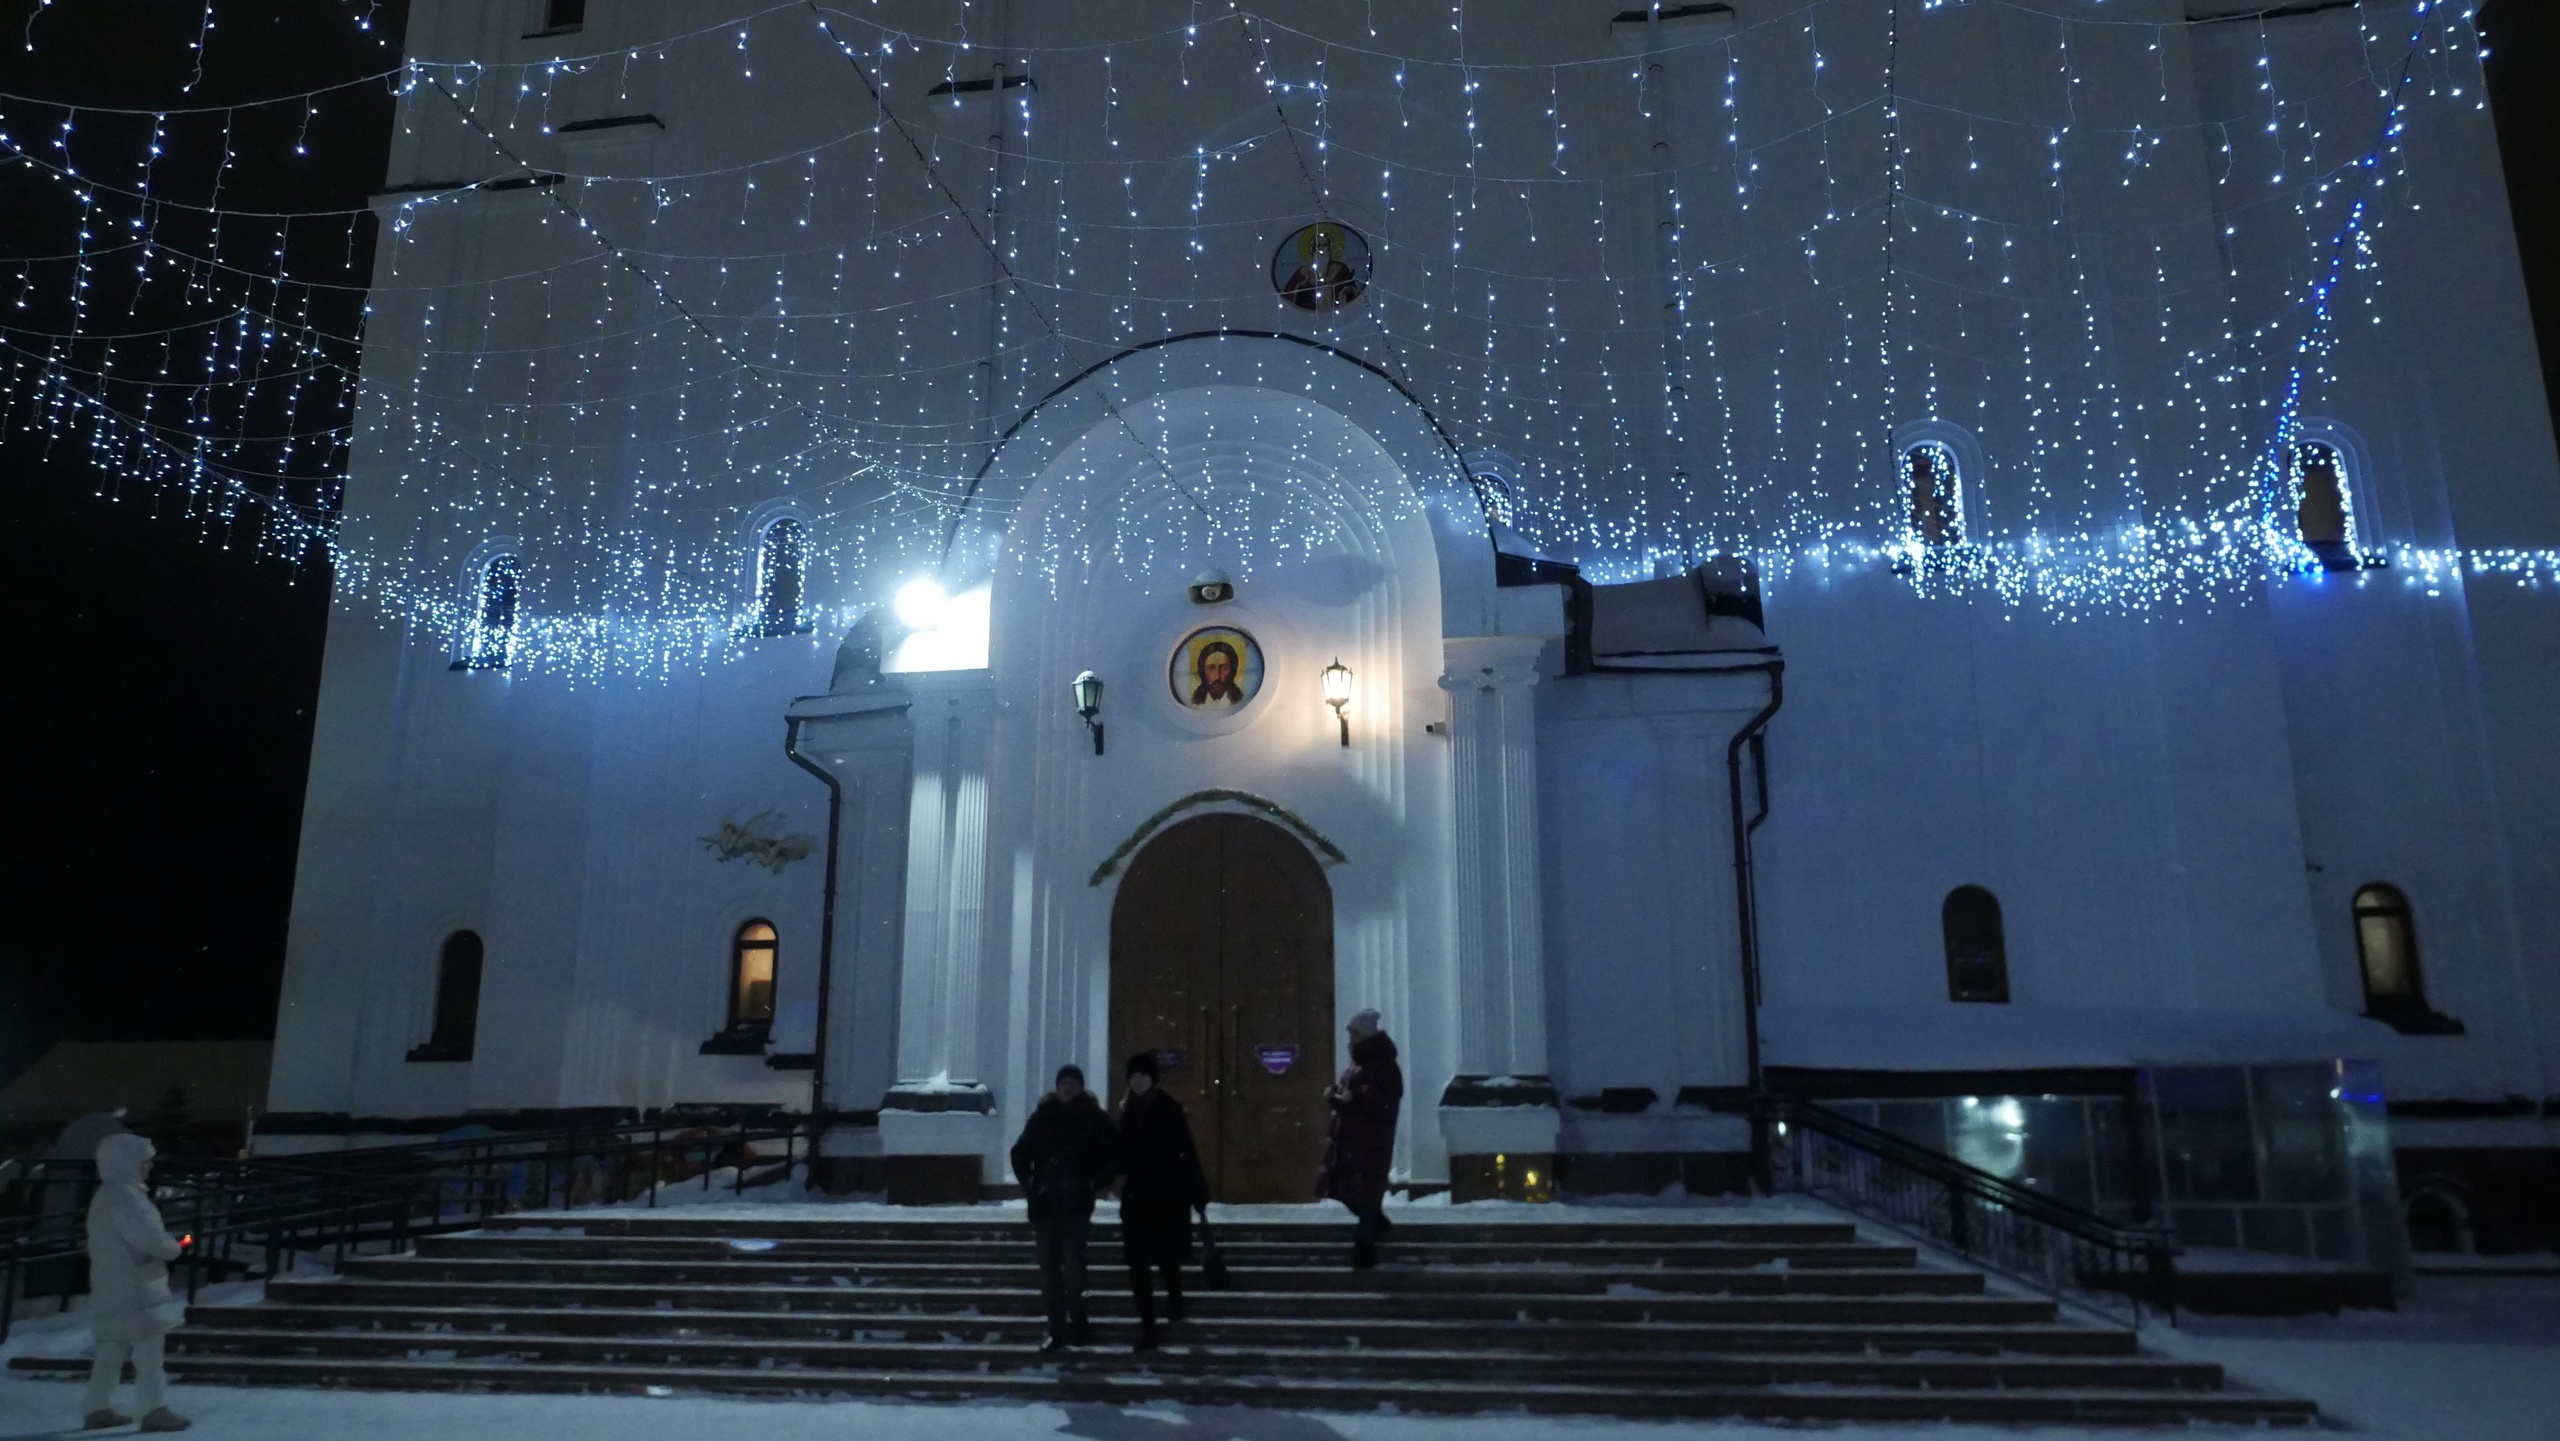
(1364, 1254)
(1054, 1343)
(1145, 1298)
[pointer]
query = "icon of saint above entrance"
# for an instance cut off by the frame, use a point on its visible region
(1216, 669)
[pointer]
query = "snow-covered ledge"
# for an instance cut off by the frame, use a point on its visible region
(935, 1138)
(1501, 1132)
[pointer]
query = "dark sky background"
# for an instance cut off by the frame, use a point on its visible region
(160, 672)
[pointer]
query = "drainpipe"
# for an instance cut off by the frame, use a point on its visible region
(1746, 899)
(826, 938)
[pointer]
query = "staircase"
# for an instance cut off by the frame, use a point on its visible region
(1775, 1319)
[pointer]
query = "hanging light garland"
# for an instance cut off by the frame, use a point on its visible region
(1692, 284)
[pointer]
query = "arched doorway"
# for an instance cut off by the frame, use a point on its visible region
(1222, 963)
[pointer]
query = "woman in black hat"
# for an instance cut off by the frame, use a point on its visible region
(1164, 1186)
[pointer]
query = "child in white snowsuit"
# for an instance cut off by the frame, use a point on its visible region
(130, 1308)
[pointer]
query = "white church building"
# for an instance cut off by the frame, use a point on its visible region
(1669, 557)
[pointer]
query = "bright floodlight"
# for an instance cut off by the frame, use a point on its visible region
(920, 604)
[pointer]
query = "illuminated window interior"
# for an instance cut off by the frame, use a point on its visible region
(752, 965)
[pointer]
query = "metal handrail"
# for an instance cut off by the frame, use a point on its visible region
(2072, 1254)
(341, 1201)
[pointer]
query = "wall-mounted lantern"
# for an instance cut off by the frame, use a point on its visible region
(1337, 694)
(1088, 693)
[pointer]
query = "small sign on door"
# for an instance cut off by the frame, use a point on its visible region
(1170, 1059)
(1276, 1059)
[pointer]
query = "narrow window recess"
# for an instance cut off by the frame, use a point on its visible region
(561, 17)
(1933, 485)
(2395, 989)
(755, 955)
(1684, 16)
(610, 122)
(538, 180)
(457, 1021)
(986, 85)
(1977, 946)
(491, 643)
(781, 571)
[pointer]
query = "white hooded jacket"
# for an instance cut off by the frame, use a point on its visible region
(129, 1250)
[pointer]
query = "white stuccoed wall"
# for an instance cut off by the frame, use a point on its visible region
(2147, 796)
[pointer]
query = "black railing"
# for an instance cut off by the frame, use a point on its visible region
(253, 1218)
(2026, 1235)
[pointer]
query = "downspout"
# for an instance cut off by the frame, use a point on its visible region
(1746, 896)
(826, 938)
(1746, 900)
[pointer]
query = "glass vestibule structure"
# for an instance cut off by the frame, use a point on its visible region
(2285, 1160)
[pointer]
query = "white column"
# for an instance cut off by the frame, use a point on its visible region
(939, 1014)
(941, 1105)
(1493, 732)
(1498, 1117)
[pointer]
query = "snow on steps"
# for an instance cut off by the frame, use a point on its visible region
(1789, 1320)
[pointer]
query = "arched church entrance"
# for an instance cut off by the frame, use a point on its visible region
(1222, 964)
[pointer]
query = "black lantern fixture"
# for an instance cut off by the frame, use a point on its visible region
(1088, 693)
(1337, 694)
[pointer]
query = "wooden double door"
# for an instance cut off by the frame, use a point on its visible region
(1222, 964)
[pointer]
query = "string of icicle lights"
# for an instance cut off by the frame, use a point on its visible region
(1690, 283)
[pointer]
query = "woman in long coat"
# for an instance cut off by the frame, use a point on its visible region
(1163, 1186)
(130, 1309)
(1361, 1148)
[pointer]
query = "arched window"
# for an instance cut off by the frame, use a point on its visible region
(2387, 947)
(457, 1001)
(2439, 1218)
(780, 560)
(493, 630)
(751, 968)
(1934, 485)
(1977, 949)
(2324, 517)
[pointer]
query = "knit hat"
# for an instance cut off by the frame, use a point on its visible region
(1364, 1023)
(1070, 1069)
(1144, 1063)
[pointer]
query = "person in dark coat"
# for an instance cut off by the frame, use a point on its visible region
(1068, 1152)
(1162, 1185)
(1361, 1147)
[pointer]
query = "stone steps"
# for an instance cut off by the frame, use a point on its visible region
(896, 1277)
(1011, 1355)
(1111, 1298)
(1007, 1251)
(1778, 1320)
(1114, 1381)
(674, 1222)
(1366, 1333)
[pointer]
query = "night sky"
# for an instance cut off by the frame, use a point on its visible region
(160, 672)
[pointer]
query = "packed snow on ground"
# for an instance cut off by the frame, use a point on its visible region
(31, 1410)
(2464, 1358)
